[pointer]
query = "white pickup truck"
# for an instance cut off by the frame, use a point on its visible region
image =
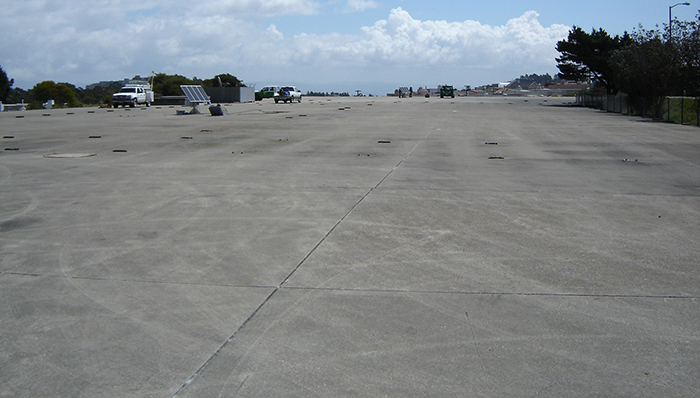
(132, 94)
(287, 93)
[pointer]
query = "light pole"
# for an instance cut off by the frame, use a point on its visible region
(670, 32)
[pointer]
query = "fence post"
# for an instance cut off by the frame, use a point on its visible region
(620, 103)
(682, 108)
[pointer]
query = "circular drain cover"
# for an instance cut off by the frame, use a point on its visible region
(69, 155)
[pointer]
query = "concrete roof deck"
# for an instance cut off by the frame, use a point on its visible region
(349, 247)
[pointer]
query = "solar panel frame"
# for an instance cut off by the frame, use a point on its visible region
(195, 94)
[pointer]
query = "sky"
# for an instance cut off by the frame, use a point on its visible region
(318, 45)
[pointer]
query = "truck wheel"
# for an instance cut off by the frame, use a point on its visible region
(148, 104)
(277, 101)
(299, 100)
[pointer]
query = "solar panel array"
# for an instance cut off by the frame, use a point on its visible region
(195, 94)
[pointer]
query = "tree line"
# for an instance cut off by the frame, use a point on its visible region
(70, 96)
(645, 64)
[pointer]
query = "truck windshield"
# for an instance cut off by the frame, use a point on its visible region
(128, 90)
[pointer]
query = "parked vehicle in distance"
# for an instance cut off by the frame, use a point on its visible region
(287, 93)
(133, 93)
(447, 91)
(266, 92)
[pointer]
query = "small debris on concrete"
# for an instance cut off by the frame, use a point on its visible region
(384, 142)
(496, 157)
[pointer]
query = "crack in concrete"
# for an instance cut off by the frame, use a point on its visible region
(303, 260)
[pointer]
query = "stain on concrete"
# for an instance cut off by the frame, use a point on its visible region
(18, 223)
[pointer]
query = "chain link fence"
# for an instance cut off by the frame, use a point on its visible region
(681, 110)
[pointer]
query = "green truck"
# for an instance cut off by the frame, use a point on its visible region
(266, 92)
(447, 91)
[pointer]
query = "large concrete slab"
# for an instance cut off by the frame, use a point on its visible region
(349, 247)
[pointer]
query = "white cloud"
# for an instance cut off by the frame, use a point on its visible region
(401, 38)
(273, 33)
(83, 42)
(402, 42)
(257, 8)
(360, 5)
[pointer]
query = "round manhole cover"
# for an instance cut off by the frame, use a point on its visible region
(69, 155)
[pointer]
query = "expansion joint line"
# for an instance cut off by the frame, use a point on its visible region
(303, 260)
(330, 231)
(223, 346)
